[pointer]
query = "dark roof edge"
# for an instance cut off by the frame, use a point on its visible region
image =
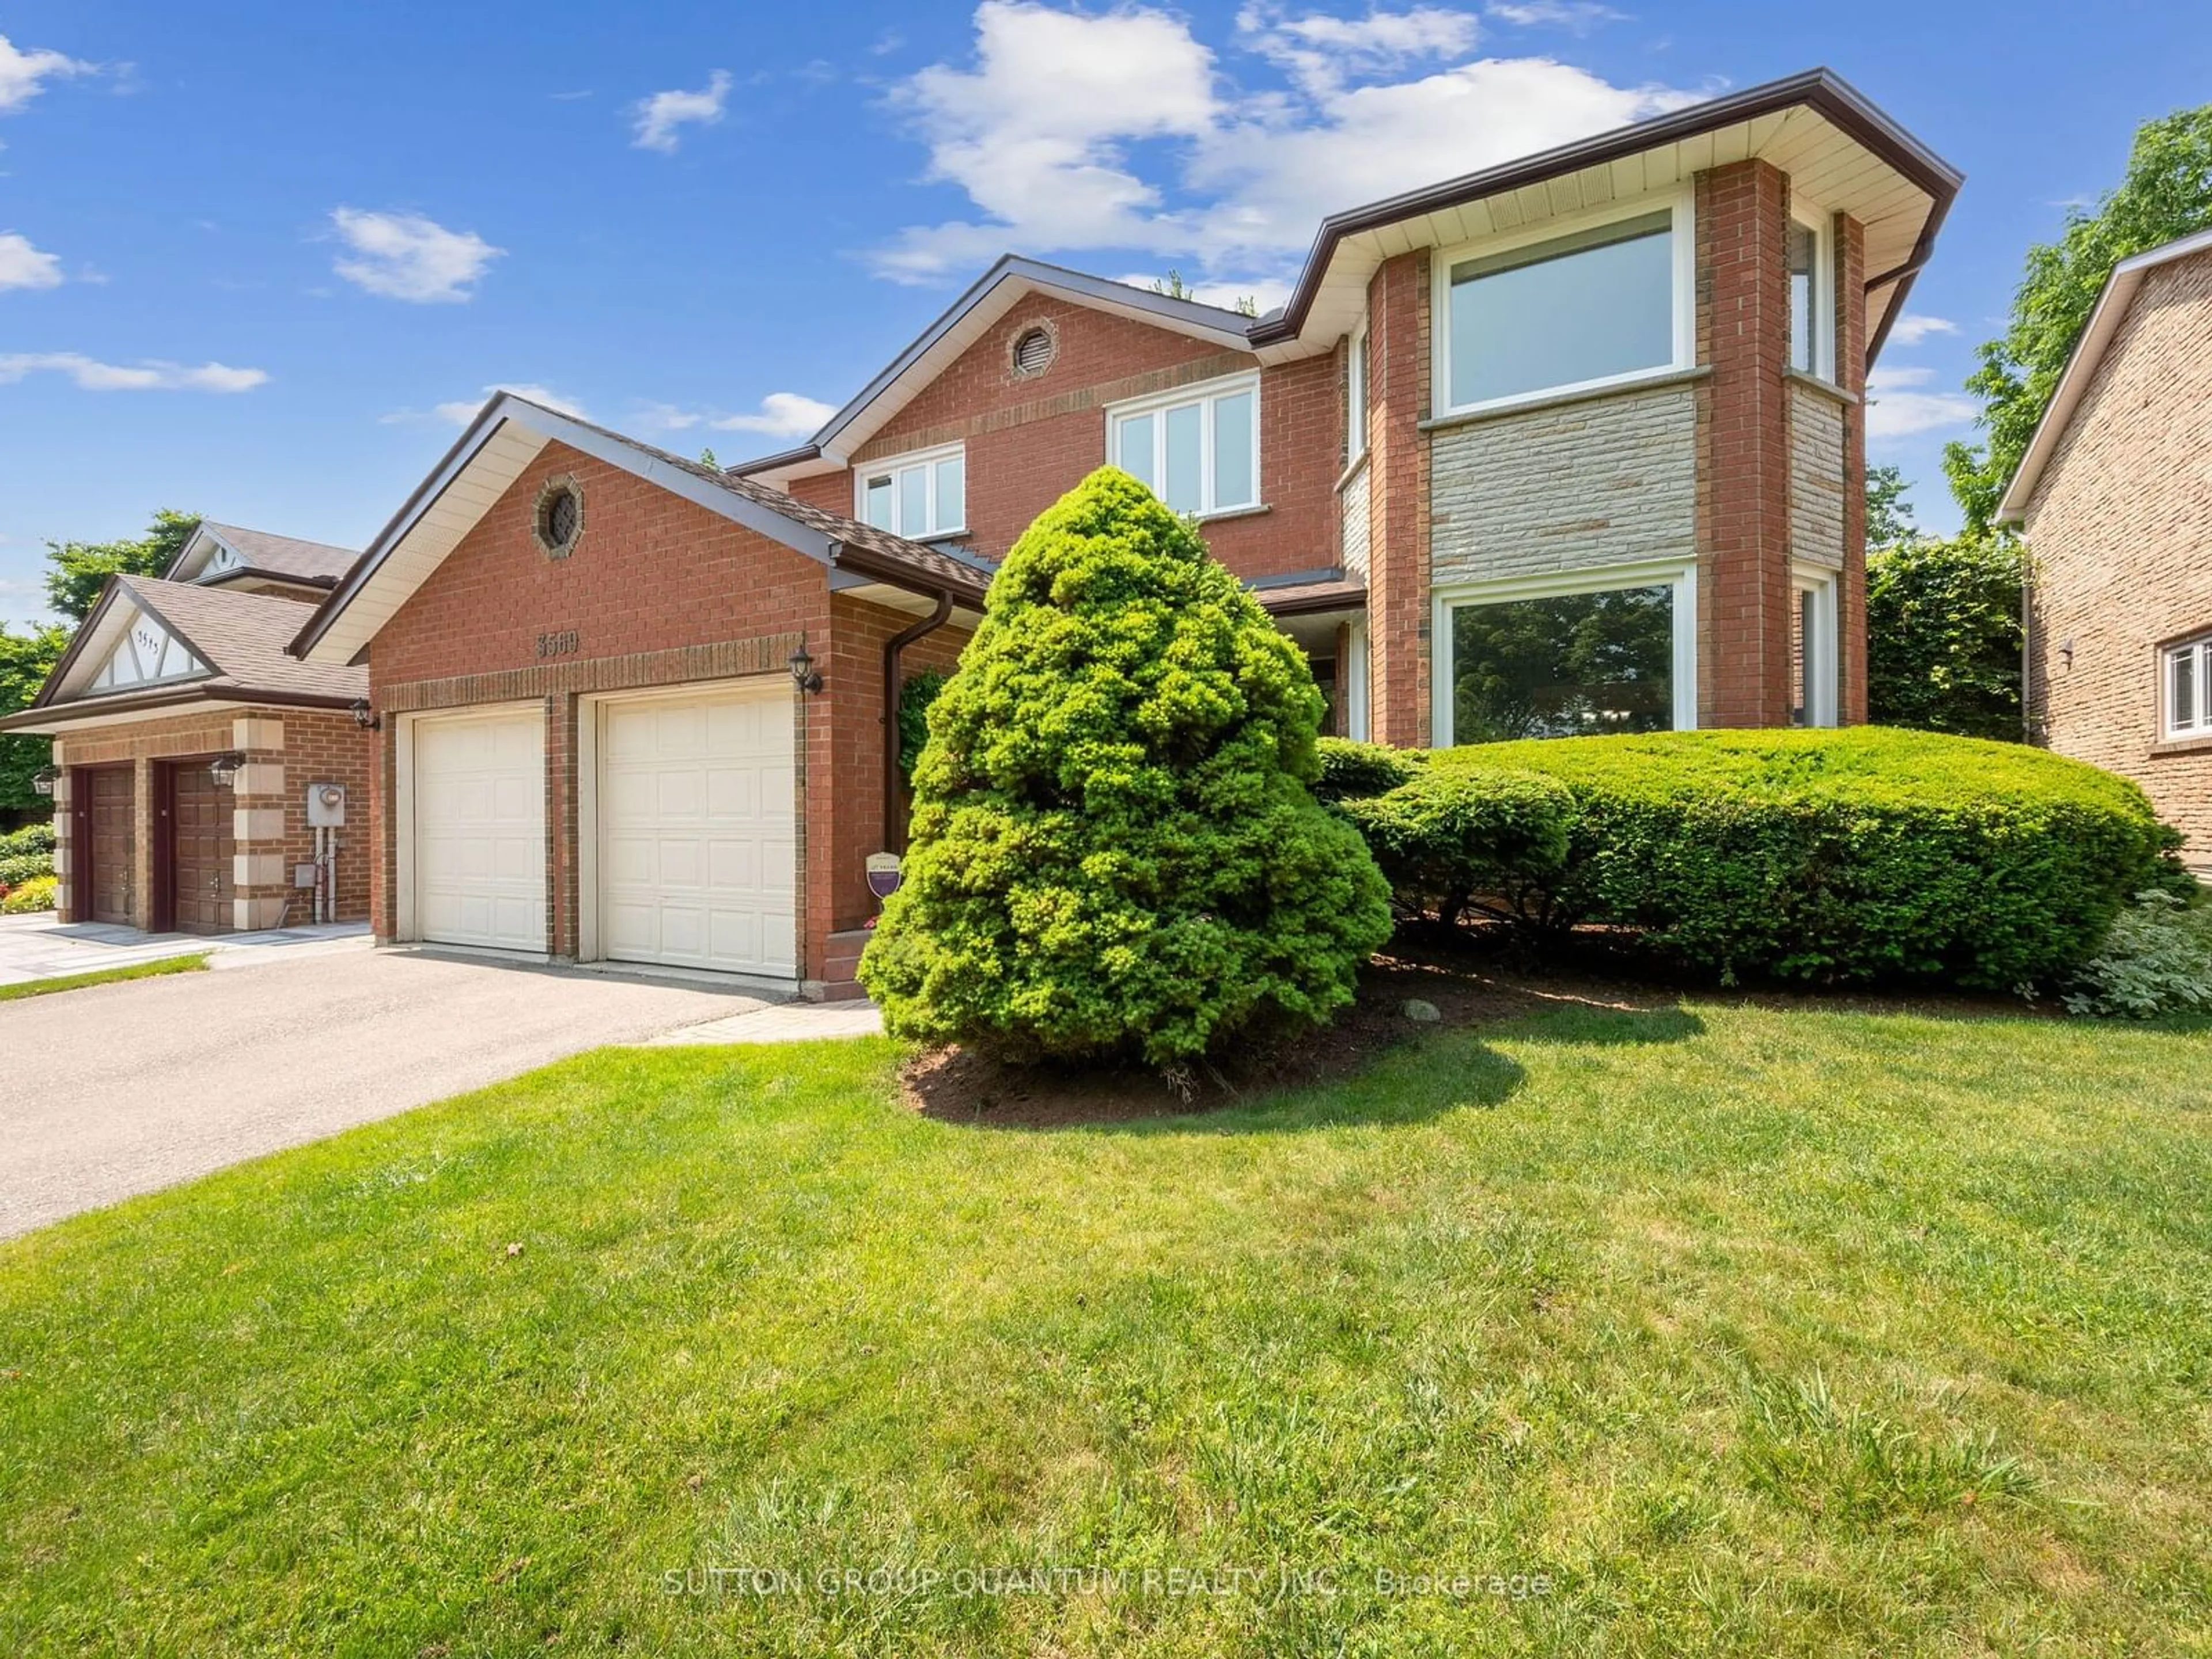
(1167, 307)
(74, 648)
(217, 689)
(861, 561)
(1821, 88)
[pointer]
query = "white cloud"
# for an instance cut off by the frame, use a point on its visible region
(1047, 131)
(92, 376)
(1896, 408)
(23, 74)
(782, 414)
(22, 265)
(1912, 329)
(1578, 16)
(1265, 293)
(405, 255)
(460, 411)
(659, 115)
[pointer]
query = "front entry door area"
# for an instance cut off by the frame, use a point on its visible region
(197, 829)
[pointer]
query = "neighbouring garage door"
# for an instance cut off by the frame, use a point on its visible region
(698, 833)
(114, 835)
(201, 846)
(479, 850)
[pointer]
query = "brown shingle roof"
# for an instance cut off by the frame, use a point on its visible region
(286, 556)
(242, 637)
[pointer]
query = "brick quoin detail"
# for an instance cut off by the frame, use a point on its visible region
(1743, 326)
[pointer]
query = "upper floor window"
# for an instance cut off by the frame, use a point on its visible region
(2188, 677)
(1812, 298)
(1355, 398)
(1609, 302)
(915, 495)
(1197, 449)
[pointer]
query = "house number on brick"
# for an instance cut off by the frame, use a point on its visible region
(563, 644)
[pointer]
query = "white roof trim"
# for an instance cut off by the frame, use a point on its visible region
(130, 649)
(504, 439)
(2088, 355)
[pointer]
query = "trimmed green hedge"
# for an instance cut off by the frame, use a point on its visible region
(1447, 841)
(1856, 855)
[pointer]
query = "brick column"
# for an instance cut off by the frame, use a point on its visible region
(1851, 375)
(69, 904)
(562, 818)
(1743, 327)
(1398, 503)
(261, 874)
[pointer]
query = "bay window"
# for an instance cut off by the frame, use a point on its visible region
(1197, 449)
(916, 496)
(1599, 651)
(2186, 669)
(1609, 302)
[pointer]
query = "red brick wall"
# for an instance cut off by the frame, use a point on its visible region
(660, 591)
(1030, 440)
(1743, 498)
(1398, 458)
(1851, 375)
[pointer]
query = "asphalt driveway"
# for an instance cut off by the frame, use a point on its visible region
(121, 1089)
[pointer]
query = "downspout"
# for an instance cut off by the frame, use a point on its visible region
(894, 696)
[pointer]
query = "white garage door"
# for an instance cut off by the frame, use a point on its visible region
(480, 830)
(697, 835)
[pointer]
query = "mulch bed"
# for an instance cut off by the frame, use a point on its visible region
(1468, 980)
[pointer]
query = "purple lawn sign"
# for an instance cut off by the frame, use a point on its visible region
(883, 874)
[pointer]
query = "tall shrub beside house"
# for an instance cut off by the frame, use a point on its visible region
(1114, 852)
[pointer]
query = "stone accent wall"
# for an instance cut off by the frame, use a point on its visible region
(1816, 477)
(2120, 535)
(1353, 506)
(1596, 482)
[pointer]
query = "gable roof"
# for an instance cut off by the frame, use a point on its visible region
(1847, 154)
(235, 645)
(506, 437)
(225, 552)
(2081, 366)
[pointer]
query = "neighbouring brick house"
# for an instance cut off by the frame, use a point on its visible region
(2114, 499)
(1573, 443)
(187, 740)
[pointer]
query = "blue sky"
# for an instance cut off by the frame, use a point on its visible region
(254, 258)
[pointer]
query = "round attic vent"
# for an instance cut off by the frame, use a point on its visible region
(559, 518)
(1034, 350)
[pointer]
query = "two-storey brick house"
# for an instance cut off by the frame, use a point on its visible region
(1574, 444)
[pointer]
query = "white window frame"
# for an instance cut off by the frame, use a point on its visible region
(1807, 217)
(1355, 397)
(1822, 644)
(1356, 716)
(927, 459)
(1205, 394)
(2170, 730)
(1679, 203)
(1680, 575)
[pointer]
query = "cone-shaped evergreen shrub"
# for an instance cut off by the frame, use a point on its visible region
(1113, 852)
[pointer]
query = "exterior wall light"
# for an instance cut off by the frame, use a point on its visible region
(803, 672)
(364, 716)
(44, 779)
(224, 769)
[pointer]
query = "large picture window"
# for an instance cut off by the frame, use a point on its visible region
(2187, 670)
(1574, 661)
(1599, 304)
(916, 496)
(1198, 451)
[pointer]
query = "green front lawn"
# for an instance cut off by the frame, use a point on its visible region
(1725, 1329)
(154, 969)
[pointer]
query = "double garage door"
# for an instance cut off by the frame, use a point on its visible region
(688, 825)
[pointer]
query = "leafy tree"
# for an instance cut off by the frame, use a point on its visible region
(2166, 193)
(1943, 636)
(80, 569)
(1888, 514)
(1114, 851)
(25, 659)
(707, 458)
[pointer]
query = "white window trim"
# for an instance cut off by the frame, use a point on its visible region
(1355, 683)
(1679, 574)
(1356, 368)
(2201, 648)
(1679, 203)
(1204, 393)
(1822, 645)
(894, 465)
(1823, 227)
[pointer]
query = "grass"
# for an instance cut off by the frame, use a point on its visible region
(41, 988)
(1715, 1329)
